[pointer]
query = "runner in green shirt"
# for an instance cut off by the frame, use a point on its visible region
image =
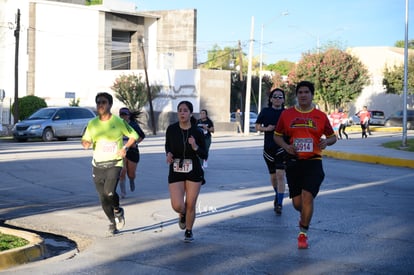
(104, 133)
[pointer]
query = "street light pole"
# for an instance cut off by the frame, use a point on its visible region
(259, 100)
(259, 104)
(249, 83)
(404, 124)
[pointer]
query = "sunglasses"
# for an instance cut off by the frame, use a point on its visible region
(101, 102)
(278, 97)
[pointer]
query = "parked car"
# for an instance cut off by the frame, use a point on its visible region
(396, 119)
(53, 122)
(252, 120)
(377, 118)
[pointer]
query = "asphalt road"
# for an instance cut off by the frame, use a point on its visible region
(363, 220)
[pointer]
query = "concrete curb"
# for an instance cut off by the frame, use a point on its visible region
(357, 128)
(34, 251)
(369, 158)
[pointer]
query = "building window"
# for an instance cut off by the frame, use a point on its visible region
(121, 50)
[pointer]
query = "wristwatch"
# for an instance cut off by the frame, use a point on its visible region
(125, 148)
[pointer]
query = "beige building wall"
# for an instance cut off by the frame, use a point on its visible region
(376, 59)
(176, 39)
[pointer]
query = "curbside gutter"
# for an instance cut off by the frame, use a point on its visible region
(33, 251)
(369, 158)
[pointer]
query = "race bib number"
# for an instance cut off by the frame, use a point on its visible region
(183, 165)
(108, 147)
(201, 127)
(303, 144)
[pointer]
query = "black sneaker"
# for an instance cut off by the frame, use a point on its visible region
(119, 218)
(188, 236)
(112, 230)
(278, 209)
(181, 221)
(275, 204)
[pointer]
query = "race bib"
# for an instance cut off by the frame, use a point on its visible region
(182, 165)
(303, 144)
(201, 127)
(105, 150)
(108, 147)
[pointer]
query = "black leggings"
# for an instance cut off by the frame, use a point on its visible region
(342, 128)
(364, 128)
(106, 181)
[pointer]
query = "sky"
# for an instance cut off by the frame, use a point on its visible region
(284, 29)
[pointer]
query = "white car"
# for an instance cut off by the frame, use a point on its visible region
(252, 120)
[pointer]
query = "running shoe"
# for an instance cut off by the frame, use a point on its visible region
(112, 230)
(279, 209)
(188, 236)
(119, 218)
(275, 203)
(302, 241)
(181, 221)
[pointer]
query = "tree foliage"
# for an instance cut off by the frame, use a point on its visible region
(338, 77)
(282, 67)
(132, 91)
(28, 105)
(394, 78)
(74, 102)
(401, 44)
(222, 59)
(228, 59)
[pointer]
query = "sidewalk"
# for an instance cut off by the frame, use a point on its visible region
(234, 224)
(371, 150)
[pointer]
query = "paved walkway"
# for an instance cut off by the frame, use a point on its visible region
(371, 149)
(160, 252)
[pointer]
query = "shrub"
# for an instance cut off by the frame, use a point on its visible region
(28, 105)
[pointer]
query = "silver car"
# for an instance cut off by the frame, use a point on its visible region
(252, 120)
(53, 122)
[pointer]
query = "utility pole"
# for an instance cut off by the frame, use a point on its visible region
(249, 83)
(141, 42)
(240, 63)
(404, 121)
(242, 86)
(16, 69)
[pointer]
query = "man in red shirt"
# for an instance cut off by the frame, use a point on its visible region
(364, 117)
(309, 132)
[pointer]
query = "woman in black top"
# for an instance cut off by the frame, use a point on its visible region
(132, 156)
(272, 153)
(184, 146)
(207, 127)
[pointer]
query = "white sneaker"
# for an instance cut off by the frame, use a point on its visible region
(205, 165)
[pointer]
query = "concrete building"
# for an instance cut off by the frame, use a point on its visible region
(70, 50)
(376, 59)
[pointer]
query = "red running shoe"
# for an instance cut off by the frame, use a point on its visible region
(302, 241)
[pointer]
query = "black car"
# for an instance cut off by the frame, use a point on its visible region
(397, 118)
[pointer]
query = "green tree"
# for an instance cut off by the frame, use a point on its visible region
(338, 76)
(222, 59)
(282, 67)
(28, 105)
(132, 91)
(394, 78)
(401, 44)
(74, 102)
(229, 59)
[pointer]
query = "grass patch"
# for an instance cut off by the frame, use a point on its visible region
(9, 241)
(397, 145)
